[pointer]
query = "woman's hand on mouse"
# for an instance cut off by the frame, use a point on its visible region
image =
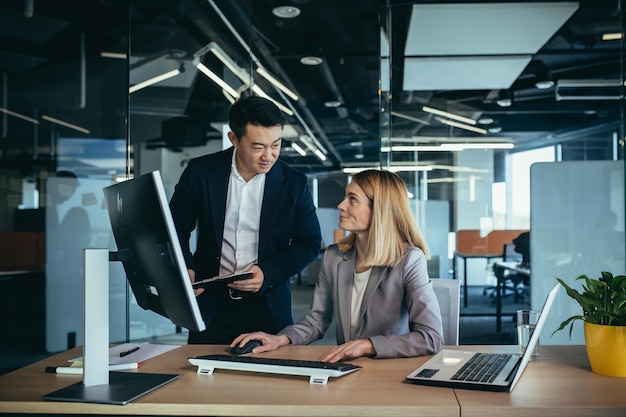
(270, 341)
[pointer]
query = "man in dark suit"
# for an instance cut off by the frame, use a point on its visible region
(253, 213)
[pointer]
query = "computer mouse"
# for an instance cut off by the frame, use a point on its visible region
(247, 348)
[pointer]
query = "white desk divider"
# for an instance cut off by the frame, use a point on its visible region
(96, 322)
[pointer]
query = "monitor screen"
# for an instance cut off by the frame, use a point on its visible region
(148, 247)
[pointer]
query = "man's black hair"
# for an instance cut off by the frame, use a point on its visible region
(255, 110)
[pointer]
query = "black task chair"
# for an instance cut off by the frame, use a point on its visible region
(511, 282)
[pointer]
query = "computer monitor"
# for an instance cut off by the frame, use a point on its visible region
(148, 247)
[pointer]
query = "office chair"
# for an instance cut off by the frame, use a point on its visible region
(509, 286)
(448, 293)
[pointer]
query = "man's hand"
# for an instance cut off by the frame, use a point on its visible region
(192, 277)
(252, 284)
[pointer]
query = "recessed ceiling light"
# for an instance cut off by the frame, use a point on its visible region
(505, 102)
(485, 120)
(359, 156)
(311, 60)
(332, 103)
(286, 12)
(495, 129)
(543, 85)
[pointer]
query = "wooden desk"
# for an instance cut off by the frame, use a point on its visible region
(498, 271)
(559, 384)
(376, 390)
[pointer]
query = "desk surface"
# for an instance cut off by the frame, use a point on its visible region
(561, 383)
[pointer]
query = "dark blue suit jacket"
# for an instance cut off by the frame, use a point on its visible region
(289, 235)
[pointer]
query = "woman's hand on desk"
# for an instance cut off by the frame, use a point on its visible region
(349, 350)
(270, 341)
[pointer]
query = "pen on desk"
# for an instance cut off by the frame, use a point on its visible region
(76, 370)
(128, 352)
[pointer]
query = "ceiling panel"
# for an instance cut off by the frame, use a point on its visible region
(505, 28)
(463, 73)
(444, 51)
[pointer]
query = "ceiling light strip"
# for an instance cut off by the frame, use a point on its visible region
(66, 124)
(269, 77)
(154, 80)
(456, 146)
(258, 91)
(298, 149)
(308, 141)
(462, 126)
(114, 55)
(449, 115)
(465, 169)
(446, 147)
(442, 180)
(216, 79)
(411, 118)
(240, 73)
(320, 155)
(19, 115)
(230, 98)
(413, 148)
(612, 36)
(392, 168)
(229, 63)
(248, 50)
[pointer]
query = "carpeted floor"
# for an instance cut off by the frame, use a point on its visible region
(477, 324)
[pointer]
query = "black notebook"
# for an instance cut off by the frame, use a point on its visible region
(223, 279)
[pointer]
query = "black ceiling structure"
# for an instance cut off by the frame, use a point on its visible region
(339, 100)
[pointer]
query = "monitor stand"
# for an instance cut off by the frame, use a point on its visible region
(98, 384)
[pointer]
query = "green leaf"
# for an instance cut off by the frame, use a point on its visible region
(602, 300)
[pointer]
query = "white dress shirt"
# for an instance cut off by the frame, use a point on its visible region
(240, 246)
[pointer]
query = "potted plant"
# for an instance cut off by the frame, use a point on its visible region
(603, 301)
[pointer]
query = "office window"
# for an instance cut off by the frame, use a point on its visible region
(518, 181)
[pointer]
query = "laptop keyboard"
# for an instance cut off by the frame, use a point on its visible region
(482, 367)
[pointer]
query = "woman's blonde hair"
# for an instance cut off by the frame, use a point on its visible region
(392, 228)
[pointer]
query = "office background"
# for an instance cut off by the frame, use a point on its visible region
(498, 115)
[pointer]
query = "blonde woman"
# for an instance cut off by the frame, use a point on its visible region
(374, 282)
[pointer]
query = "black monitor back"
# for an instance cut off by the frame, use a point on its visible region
(148, 247)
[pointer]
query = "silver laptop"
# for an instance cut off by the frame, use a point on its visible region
(451, 368)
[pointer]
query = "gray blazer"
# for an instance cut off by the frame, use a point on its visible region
(399, 313)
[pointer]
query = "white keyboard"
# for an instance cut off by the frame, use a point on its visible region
(318, 372)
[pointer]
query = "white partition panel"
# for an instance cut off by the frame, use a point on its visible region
(577, 227)
(329, 221)
(76, 218)
(433, 217)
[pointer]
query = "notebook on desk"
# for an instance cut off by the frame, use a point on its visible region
(451, 368)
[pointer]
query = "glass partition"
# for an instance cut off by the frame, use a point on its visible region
(478, 100)
(467, 101)
(63, 110)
